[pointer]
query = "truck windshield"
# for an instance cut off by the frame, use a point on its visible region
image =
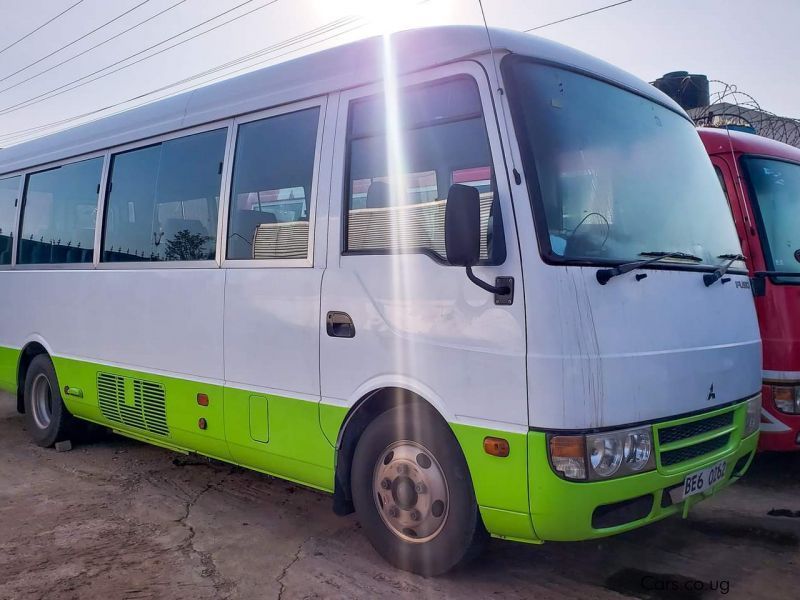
(613, 174)
(776, 187)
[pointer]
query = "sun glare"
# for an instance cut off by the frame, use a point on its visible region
(385, 16)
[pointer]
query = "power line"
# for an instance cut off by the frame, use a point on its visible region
(328, 28)
(89, 78)
(583, 14)
(342, 22)
(113, 37)
(42, 26)
(22, 135)
(266, 50)
(75, 41)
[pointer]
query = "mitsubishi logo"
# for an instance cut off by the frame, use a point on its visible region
(711, 394)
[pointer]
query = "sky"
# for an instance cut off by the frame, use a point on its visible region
(750, 44)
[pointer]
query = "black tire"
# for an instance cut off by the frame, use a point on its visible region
(461, 536)
(61, 424)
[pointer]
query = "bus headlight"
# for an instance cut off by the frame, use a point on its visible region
(637, 450)
(602, 455)
(753, 417)
(617, 453)
(605, 454)
(786, 398)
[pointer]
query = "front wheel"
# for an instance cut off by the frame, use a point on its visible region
(413, 493)
(47, 418)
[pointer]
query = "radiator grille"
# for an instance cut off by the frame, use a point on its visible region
(110, 394)
(133, 402)
(673, 457)
(685, 431)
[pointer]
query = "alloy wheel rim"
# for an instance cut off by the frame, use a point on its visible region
(42, 401)
(410, 491)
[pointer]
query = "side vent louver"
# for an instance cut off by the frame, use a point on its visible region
(133, 402)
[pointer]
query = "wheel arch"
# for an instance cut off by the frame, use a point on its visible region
(362, 413)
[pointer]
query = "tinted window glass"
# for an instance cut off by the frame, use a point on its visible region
(59, 213)
(9, 189)
(444, 141)
(271, 195)
(776, 187)
(721, 178)
(163, 200)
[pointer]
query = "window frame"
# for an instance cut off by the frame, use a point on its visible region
(755, 207)
(471, 70)
(320, 102)
(144, 143)
(528, 163)
(15, 243)
(21, 208)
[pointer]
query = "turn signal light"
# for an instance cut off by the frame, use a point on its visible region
(568, 455)
(202, 424)
(496, 446)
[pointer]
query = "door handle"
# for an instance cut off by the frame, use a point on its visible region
(339, 324)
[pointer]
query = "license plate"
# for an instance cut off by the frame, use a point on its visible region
(701, 481)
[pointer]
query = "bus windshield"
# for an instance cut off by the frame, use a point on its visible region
(776, 187)
(616, 174)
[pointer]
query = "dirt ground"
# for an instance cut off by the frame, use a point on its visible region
(119, 519)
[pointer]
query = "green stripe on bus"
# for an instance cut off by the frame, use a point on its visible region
(9, 359)
(286, 437)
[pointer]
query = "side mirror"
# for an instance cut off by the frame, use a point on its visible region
(462, 226)
(462, 239)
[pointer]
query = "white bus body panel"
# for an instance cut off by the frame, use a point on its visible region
(162, 320)
(635, 351)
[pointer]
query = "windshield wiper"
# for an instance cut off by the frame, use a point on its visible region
(710, 278)
(604, 275)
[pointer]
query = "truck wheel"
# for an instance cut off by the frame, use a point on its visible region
(413, 493)
(45, 414)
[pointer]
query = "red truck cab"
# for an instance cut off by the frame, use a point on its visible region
(761, 179)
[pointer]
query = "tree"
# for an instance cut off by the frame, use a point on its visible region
(187, 246)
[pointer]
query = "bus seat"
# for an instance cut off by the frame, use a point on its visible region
(245, 223)
(378, 195)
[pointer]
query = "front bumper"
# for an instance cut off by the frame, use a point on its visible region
(564, 510)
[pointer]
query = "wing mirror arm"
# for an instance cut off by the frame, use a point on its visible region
(499, 290)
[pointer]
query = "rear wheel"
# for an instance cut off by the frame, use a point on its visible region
(45, 414)
(413, 493)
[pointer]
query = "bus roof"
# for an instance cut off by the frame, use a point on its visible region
(719, 141)
(337, 68)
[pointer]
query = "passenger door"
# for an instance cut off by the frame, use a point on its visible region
(419, 323)
(272, 287)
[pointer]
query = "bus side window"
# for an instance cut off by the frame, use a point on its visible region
(271, 190)
(444, 141)
(163, 200)
(9, 188)
(58, 214)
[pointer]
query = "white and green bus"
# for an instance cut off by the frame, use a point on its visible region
(465, 290)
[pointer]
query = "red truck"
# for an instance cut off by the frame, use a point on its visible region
(761, 179)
